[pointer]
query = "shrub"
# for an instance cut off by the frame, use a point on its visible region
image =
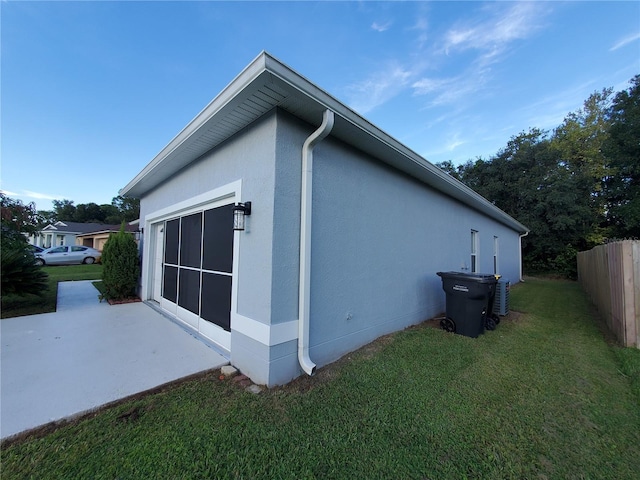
(20, 274)
(566, 263)
(121, 266)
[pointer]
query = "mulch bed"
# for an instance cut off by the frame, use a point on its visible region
(124, 300)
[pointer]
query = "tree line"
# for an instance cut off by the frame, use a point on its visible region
(26, 219)
(575, 187)
(121, 209)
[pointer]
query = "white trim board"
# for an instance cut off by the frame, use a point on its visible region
(269, 335)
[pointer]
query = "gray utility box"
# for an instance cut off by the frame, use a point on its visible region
(501, 301)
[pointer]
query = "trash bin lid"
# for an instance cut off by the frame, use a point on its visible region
(468, 277)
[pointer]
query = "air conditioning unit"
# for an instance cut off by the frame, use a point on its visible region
(501, 301)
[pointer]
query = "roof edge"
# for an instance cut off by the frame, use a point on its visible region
(228, 93)
(266, 63)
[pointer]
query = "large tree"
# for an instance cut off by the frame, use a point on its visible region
(128, 207)
(579, 141)
(527, 180)
(112, 215)
(622, 148)
(573, 189)
(64, 210)
(89, 213)
(18, 216)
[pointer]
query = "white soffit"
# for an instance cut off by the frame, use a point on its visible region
(267, 83)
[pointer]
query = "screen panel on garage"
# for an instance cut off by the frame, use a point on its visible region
(172, 240)
(189, 290)
(218, 239)
(216, 299)
(217, 265)
(198, 264)
(191, 240)
(170, 284)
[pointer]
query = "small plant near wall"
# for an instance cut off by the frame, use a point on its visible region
(121, 266)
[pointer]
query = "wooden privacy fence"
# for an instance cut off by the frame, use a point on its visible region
(610, 274)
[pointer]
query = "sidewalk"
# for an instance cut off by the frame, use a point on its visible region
(88, 354)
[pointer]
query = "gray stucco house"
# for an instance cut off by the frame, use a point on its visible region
(347, 230)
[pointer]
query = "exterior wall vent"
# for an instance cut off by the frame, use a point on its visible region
(501, 305)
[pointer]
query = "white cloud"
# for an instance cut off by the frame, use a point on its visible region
(454, 142)
(41, 196)
(444, 149)
(549, 112)
(625, 41)
(447, 91)
(421, 24)
(429, 85)
(30, 194)
(378, 88)
(490, 36)
(381, 27)
(495, 34)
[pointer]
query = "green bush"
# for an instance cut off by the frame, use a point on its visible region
(20, 274)
(566, 263)
(121, 266)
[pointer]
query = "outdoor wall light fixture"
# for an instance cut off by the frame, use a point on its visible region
(240, 210)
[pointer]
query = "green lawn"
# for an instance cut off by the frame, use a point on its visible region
(543, 396)
(16, 305)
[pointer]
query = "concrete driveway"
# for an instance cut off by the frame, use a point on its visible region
(87, 354)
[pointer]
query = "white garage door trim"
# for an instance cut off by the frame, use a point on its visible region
(154, 223)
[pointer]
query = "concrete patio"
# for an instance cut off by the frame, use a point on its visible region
(87, 354)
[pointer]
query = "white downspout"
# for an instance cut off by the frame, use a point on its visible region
(520, 253)
(305, 240)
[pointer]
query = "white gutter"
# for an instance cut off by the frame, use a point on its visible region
(304, 298)
(520, 253)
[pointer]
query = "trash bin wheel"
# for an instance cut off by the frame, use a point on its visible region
(496, 318)
(490, 323)
(448, 324)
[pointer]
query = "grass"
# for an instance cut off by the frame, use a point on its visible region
(17, 305)
(543, 396)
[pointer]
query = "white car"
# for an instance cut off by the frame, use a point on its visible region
(67, 255)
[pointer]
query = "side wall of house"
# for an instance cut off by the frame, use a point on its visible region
(378, 239)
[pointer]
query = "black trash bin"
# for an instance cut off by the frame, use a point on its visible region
(469, 302)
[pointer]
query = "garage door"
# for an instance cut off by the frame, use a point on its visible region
(197, 271)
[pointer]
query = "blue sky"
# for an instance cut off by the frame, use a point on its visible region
(92, 91)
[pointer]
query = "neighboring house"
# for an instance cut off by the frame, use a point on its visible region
(347, 231)
(62, 233)
(74, 233)
(97, 239)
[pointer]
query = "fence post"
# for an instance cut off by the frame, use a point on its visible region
(636, 288)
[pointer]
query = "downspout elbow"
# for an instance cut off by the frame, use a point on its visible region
(305, 240)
